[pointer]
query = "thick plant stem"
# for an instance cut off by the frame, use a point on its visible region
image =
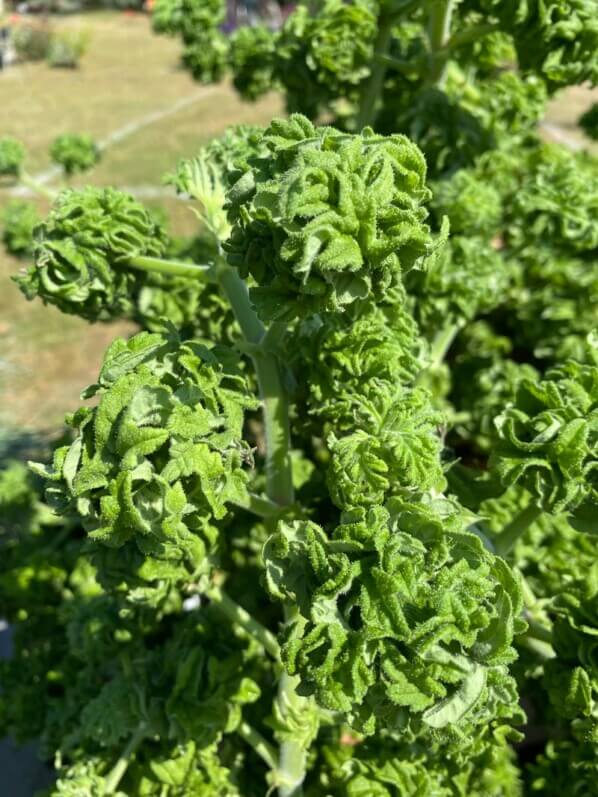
(258, 505)
(372, 88)
(291, 766)
(117, 772)
(439, 30)
(279, 489)
(279, 482)
(442, 343)
(543, 650)
(255, 740)
(171, 268)
(238, 615)
(513, 530)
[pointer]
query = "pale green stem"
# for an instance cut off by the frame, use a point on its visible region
(117, 772)
(513, 530)
(439, 30)
(539, 631)
(439, 348)
(171, 268)
(371, 89)
(262, 747)
(274, 336)
(237, 614)
(258, 505)
(291, 769)
(540, 648)
(28, 181)
(472, 34)
(279, 484)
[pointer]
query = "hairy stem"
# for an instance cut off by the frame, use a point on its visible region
(372, 88)
(237, 614)
(117, 772)
(261, 746)
(442, 343)
(279, 489)
(171, 268)
(439, 29)
(291, 768)
(543, 650)
(539, 631)
(513, 530)
(472, 34)
(258, 505)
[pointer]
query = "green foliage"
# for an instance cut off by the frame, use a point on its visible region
(18, 221)
(549, 441)
(405, 618)
(557, 38)
(159, 456)
(395, 446)
(588, 122)
(354, 591)
(75, 152)
(67, 48)
(324, 56)
(12, 155)
(81, 248)
(252, 56)
(361, 201)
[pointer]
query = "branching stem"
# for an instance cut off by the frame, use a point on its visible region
(261, 746)
(543, 650)
(117, 772)
(513, 530)
(259, 505)
(237, 614)
(372, 88)
(171, 268)
(279, 486)
(439, 30)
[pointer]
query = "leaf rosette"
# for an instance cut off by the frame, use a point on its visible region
(327, 219)
(549, 442)
(345, 352)
(75, 152)
(159, 457)
(554, 38)
(82, 250)
(393, 445)
(18, 220)
(405, 619)
(12, 155)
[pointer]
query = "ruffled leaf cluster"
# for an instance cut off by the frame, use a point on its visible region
(75, 152)
(554, 38)
(82, 250)
(159, 456)
(327, 219)
(549, 441)
(391, 445)
(12, 155)
(324, 56)
(344, 354)
(252, 56)
(18, 221)
(405, 619)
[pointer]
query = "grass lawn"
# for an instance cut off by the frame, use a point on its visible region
(46, 358)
